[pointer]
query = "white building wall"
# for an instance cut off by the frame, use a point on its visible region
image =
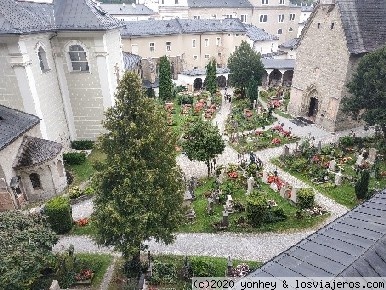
(47, 88)
(10, 95)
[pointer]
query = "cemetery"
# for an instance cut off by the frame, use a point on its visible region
(245, 198)
(336, 169)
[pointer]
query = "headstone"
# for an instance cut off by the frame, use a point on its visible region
(293, 195)
(338, 178)
(372, 155)
(359, 160)
(286, 150)
(254, 104)
(320, 147)
(210, 205)
(274, 187)
(265, 176)
(250, 183)
(54, 285)
(229, 266)
(332, 165)
(229, 204)
(225, 219)
(209, 101)
(259, 110)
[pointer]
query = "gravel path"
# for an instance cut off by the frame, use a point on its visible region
(260, 247)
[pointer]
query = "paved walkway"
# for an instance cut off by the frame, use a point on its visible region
(260, 247)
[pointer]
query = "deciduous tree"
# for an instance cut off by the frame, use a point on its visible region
(368, 89)
(244, 65)
(25, 250)
(165, 79)
(139, 186)
(203, 142)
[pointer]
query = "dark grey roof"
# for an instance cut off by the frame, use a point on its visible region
(292, 43)
(278, 63)
(13, 124)
(35, 151)
(131, 60)
(181, 26)
(354, 245)
(150, 27)
(258, 34)
(211, 25)
(307, 8)
(219, 3)
(30, 17)
(364, 24)
(119, 9)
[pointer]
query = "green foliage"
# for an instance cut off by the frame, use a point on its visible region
(25, 251)
(256, 210)
(75, 192)
(346, 141)
(58, 211)
(138, 186)
(184, 99)
(165, 79)
(211, 80)
(245, 65)
(305, 198)
(203, 267)
(74, 158)
(203, 142)
(362, 185)
(82, 145)
(163, 273)
(368, 89)
(252, 90)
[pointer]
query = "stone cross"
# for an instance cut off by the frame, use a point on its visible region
(210, 205)
(254, 104)
(259, 108)
(372, 155)
(338, 178)
(332, 165)
(286, 150)
(359, 160)
(320, 147)
(250, 183)
(225, 219)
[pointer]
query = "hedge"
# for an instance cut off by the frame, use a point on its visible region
(74, 158)
(256, 210)
(82, 145)
(58, 212)
(306, 198)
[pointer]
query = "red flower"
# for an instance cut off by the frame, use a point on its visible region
(276, 141)
(233, 174)
(82, 222)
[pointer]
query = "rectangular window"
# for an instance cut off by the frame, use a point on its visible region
(214, 16)
(281, 18)
(196, 17)
(193, 43)
(243, 18)
(264, 2)
(292, 16)
(151, 45)
(206, 55)
(218, 41)
(168, 46)
(228, 16)
(263, 18)
(175, 1)
(219, 54)
(206, 42)
(163, 2)
(281, 2)
(195, 57)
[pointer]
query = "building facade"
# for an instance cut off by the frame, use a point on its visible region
(60, 62)
(337, 35)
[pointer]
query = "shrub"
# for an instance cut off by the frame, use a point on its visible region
(362, 185)
(74, 158)
(89, 191)
(58, 211)
(82, 145)
(275, 214)
(346, 141)
(75, 192)
(202, 267)
(256, 210)
(163, 273)
(184, 99)
(305, 198)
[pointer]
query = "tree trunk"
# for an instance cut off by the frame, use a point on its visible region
(383, 127)
(208, 165)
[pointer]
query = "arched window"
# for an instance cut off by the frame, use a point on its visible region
(35, 180)
(78, 58)
(43, 59)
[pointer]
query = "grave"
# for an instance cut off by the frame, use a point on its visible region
(332, 165)
(286, 150)
(338, 178)
(229, 204)
(250, 183)
(372, 155)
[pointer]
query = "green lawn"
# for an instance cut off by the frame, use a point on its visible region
(98, 263)
(88, 229)
(204, 221)
(84, 171)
